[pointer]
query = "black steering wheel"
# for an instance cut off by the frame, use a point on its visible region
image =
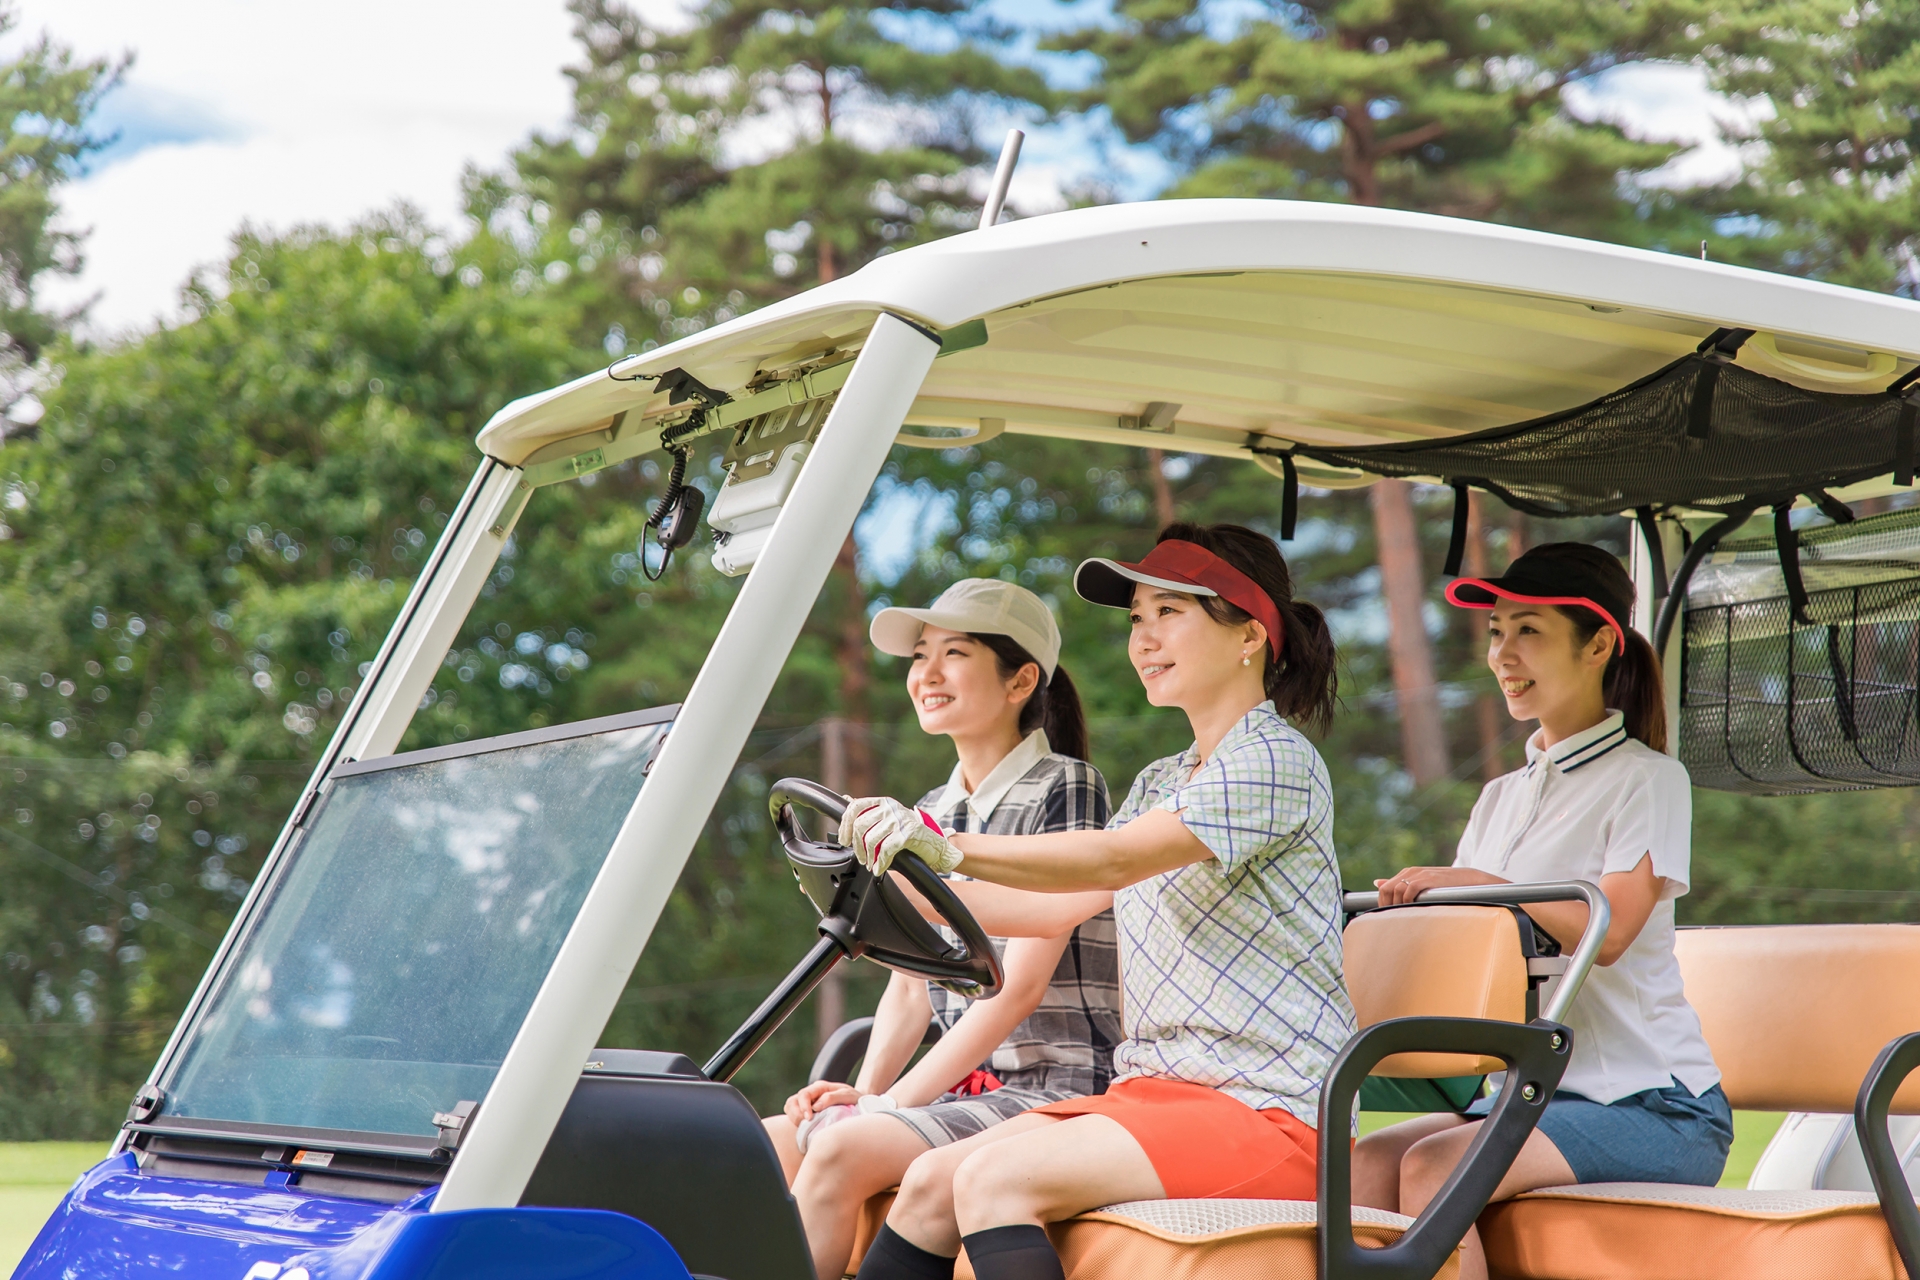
(871, 918)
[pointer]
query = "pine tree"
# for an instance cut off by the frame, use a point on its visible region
(46, 95)
(1447, 108)
(1831, 192)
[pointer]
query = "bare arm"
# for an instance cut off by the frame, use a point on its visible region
(1017, 913)
(1632, 896)
(1029, 964)
(899, 1025)
(1084, 861)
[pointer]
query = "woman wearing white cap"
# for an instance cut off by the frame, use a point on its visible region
(1229, 912)
(985, 671)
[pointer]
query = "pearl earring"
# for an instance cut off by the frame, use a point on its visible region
(1246, 660)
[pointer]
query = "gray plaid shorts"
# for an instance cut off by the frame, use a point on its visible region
(953, 1117)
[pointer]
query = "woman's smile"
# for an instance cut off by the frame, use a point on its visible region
(1515, 686)
(1153, 669)
(934, 701)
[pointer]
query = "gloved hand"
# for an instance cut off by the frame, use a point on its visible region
(878, 829)
(868, 1104)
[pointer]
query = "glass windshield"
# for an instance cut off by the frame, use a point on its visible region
(401, 944)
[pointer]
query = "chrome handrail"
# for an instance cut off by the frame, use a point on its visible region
(1585, 953)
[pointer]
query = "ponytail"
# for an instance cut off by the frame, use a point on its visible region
(1054, 704)
(1631, 684)
(1304, 682)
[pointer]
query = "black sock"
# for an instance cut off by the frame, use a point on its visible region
(1013, 1253)
(892, 1256)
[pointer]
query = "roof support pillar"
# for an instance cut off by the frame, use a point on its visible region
(511, 1128)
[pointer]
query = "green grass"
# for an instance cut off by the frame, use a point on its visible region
(33, 1177)
(1752, 1131)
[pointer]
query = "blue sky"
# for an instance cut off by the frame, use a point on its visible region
(236, 112)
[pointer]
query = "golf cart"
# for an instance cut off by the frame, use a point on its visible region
(389, 1070)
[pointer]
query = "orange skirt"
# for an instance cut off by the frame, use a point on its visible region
(1206, 1145)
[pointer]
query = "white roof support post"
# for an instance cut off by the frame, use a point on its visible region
(511, 1128)
(398, 677)
(1646, 608)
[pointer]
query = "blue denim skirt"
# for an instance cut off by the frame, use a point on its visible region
(1661, 1135)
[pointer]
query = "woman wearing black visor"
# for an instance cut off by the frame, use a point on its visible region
(1597, 800)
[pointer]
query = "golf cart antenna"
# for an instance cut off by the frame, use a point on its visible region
(1002, 178)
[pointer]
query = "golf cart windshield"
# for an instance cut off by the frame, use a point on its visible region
(395, 954)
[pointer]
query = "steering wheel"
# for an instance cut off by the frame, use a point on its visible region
(871, 918)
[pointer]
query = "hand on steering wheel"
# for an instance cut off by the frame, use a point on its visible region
(868, 915)
(879, 828)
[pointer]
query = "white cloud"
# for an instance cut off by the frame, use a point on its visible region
(274, 114)
(1670, 102)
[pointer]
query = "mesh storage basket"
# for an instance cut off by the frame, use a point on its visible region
(1772, 705)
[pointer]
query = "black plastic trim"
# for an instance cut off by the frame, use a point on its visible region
(380, 1144)
(1884, 1078)
(508, 741)
(1536, 1055)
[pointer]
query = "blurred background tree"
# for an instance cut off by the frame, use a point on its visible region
(219, 517)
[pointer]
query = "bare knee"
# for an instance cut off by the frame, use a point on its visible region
(836, 1160)
(987, 1190)
(1425, 1166)
(927, 1185)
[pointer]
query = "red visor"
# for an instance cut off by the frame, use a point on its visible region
(1479, 593)
(1180, 566)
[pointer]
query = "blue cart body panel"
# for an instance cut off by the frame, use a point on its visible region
(120, 1224)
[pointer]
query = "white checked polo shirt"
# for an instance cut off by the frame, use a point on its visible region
(1591, 805)
(1231, 967)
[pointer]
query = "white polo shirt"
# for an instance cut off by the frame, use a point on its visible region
(1592, 805)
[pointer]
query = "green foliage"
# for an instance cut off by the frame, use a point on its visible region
(46, 96)
(213, 531)
(765, 147)
(1416, 104)
(1831, 191)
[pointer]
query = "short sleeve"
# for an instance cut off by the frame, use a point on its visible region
(1252, 799)
(1654, 816)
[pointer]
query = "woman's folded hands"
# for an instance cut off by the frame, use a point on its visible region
(878, 829)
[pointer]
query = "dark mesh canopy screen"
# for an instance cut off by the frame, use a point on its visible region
(1771, 705)
(1700, 433)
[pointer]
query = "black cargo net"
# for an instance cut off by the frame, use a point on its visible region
(1702, 433)
(1772, 704)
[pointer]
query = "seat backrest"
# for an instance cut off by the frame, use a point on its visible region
(644, 1135)
(1795, 1014)
(1451, 961)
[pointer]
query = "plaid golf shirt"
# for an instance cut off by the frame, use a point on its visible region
(1231, 967)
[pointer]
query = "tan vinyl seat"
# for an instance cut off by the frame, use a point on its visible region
(1451, 961)
(1795, 1015)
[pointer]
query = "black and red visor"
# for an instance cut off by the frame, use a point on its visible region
(1186, 567)
(1551, 581)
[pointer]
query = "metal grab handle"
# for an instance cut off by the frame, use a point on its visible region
(1536, 1054)
(1884, 1078)
(1579, 964)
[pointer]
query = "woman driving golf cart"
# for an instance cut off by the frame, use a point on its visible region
(1598, 800)
(984, 670)
(1228, 902)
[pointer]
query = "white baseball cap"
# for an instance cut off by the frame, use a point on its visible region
(982, 606)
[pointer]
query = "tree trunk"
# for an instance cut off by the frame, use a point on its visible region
(1162, 491)
(1489, 715)
(1423, 736)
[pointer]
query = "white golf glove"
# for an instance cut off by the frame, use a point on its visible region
(868, 1105)
(878, 829)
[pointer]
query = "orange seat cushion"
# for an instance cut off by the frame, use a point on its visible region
(1185, 1240)
(1639, 1230)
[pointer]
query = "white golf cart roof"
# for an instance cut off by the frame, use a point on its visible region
(1209, 325)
